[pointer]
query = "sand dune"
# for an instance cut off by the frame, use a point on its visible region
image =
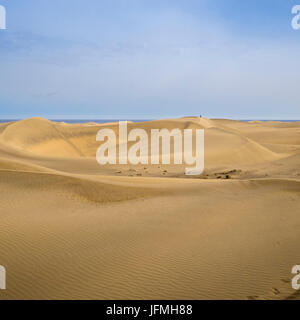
(223, 144)
(72, 229)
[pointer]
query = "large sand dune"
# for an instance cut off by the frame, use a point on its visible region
(70, 228)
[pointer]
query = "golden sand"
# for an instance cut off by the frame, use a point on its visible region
(72, 229)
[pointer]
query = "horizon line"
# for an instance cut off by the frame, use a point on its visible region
(98, 118)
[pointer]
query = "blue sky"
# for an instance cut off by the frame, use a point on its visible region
(136, 59)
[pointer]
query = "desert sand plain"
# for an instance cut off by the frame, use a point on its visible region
(72, 229)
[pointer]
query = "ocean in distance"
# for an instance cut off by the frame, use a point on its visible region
(80, 120)
(116, 120)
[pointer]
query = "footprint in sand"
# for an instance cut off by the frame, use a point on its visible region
(275, 291)
(285, 280)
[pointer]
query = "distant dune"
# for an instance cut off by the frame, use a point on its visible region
(72, 229)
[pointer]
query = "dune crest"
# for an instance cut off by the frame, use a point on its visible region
(42, 137)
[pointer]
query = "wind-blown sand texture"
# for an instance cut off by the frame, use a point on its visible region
(72, 229)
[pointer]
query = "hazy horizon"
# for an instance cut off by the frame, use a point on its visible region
(103, 120)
